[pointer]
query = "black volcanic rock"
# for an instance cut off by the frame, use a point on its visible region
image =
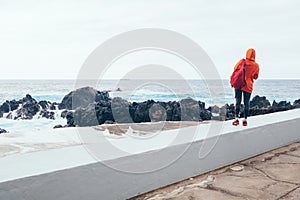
(102, 96)
(70, 119)
(53, 106)
(226, 112)
(91, 107)
(58, 126)
(8, 106)
(103, 109)
(168, 108)
(230, 112)
(14, 105)
(120, 110)
(260, 102)
(5, 107)
(103, 112)
(140, 111)
(205, 114)
(47, 114)
(22, 114)
(3, 131)
(258, 111)
(190, 110)
(44, 105)
(9, 116)
(296, 103)
(28, 109)
(176, 111)
(214, 109)
(27, 98)
(157, 113)
(64, 113)
(86, 116)
(258, 106)
(31, 107)
(215, 112)
(281, 106)
(82, 97)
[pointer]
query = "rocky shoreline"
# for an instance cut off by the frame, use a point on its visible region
(89, 107)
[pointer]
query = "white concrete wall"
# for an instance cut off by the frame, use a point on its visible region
(97, 181)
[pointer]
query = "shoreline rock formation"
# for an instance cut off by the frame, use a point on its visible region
(3, 131)
(88, 107)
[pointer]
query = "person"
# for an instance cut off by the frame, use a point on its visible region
(251, 74)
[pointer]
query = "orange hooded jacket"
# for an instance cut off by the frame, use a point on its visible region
(252, 70)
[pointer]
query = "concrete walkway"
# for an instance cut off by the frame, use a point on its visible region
(273, 175)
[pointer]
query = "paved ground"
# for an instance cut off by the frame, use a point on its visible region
(273, 175)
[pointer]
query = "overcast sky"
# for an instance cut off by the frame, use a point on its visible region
(42, 39)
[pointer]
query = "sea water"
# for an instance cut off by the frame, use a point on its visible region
(136, 90)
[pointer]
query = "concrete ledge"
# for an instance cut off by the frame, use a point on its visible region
(97, 181)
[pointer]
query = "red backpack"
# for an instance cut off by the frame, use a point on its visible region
(237, 79)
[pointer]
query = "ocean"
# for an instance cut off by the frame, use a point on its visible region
(136, 90)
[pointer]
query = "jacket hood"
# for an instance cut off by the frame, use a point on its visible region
(251, 54)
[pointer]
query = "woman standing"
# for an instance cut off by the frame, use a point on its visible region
(251, 74)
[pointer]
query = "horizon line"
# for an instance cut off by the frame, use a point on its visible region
(68, 79)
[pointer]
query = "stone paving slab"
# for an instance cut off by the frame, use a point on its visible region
(273, 175)
(294, 195)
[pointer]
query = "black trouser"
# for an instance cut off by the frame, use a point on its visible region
(238, 98)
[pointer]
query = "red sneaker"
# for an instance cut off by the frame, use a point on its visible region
(244, 123)
(235, 122)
